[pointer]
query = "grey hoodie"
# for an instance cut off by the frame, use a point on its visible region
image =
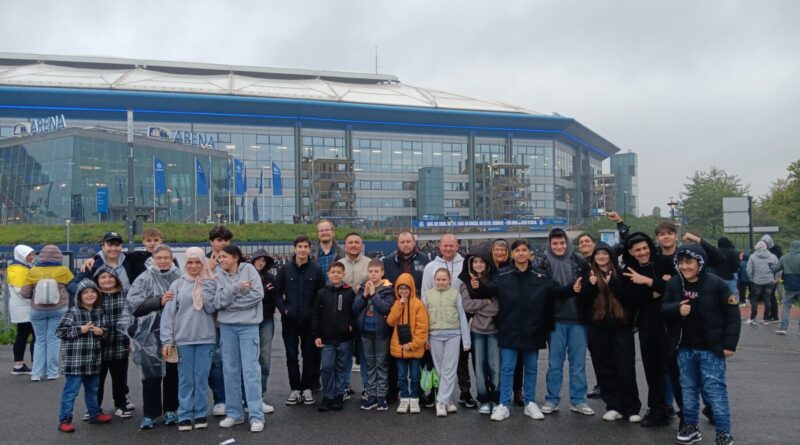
(453, 266)
(759, 267)
(189, 326)
(234, 303)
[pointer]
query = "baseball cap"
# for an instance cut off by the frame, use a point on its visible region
(112, 236)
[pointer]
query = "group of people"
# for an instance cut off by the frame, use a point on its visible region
(210, 324)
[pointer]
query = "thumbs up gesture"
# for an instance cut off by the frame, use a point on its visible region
(578, 285)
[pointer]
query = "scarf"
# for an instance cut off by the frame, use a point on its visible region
(205, 273)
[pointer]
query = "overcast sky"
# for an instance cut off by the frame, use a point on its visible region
(685, 84)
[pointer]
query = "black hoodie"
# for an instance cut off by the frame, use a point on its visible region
(715, 311)
(647, 298)
(728, 268)
(482, 251)
(616, 286)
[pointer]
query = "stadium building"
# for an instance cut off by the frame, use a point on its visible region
(248, 144)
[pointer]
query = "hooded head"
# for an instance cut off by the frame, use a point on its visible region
(262, 253)
(557, 237)
(108, 270)
(761, 245)
(21, 253)
(768, 241)
(690, 261)
(483, 252)
(50, 256)
(725, 243)
(405, 280)
(196, 253)
(635, 253)
(83, 286)
(604, 247)
(795, 247)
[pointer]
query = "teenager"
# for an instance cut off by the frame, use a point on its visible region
(19, 308)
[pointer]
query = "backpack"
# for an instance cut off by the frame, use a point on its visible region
(46, 292)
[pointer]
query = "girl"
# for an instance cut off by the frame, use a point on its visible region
(409, 318)
(20, 308)
(188, 323)
(485, 351)
(45, 317)
(611, 335)
(82, 328)
(115, 344)
(263, 263)
(238, 302)
(147, 296)
(448, 329)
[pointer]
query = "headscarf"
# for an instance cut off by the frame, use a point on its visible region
(17, 271)
(205, 273)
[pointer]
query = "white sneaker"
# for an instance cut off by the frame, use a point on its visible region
(267, 409)
(294, 398)
(582, 408)
(781, 332)
(485, 408)
(611, 415)
(308, 397)
(356, 367)
(500, 413)
(532, 410)
(413, 406)
(634, 418)
(229, 422)
(441, 410)
(256, 426)
(403, 407)
(218, 410)
(750, 322)
(549, 407)
(451, 408)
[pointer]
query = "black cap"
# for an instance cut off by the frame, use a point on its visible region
(112, 236)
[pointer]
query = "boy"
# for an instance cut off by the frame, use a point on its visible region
(702, 315)
(332, 330)
(218, 238)
(372, 305)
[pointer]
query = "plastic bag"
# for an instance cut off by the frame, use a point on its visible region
(426, 380)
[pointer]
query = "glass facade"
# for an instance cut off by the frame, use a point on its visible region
(625, 168)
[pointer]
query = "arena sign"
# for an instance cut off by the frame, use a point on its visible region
(43, 125)
(202, 140)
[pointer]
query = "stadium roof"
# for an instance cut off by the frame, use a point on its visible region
(33, 70)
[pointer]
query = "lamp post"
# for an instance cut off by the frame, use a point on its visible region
(67, 221)
(673, 206)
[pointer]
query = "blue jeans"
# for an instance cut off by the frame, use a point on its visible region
(266, 330)
(216, 378)
(508, 362)
(567, 341)
(72, 384)
(333, 368)
(788, 299)
(704, 372)
(408, 368)
(240, 348)
(733, 285)
(486, 363)
(46, 348)
(193, 366)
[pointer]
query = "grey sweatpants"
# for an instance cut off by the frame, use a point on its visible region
(375, 350)
(445, 358)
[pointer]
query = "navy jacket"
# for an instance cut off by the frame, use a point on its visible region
(295, 290)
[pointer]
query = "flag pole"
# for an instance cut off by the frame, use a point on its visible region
(154, 190)
(195, 190)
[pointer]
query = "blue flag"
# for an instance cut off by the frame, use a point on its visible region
(200, 179)
(277, 183)
(160, 180)
(261, 182)
(239, 186)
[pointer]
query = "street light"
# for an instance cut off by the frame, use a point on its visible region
(67, 221)
(673, 206)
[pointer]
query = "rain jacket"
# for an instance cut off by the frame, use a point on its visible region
(412, 313)
(16, 273)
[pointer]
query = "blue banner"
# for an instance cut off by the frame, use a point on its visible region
(261, 182)
(200, 179)
(102, 200)
(277, 182)
(239, 186)
(160, 179)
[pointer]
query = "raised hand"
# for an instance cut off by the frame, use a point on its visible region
(473, 281)
(685, 308)
(168, 295)
(636, 277)
(614, 216)
(578, 285)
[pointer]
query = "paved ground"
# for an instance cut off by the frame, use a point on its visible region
(762, 379)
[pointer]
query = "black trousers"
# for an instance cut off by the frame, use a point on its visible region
(655, 349)
(297, 340)
(614, 359)
(156, 401)
(462, 372)
(24, 330)
(773, 310)
(119, 381)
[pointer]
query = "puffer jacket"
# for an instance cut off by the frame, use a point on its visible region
(790, 265)
(381, 303)
(412, 313)
(295, 290)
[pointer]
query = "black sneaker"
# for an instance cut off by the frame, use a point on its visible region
(655, 419)
(723, 439)
(325, 405)
(709, 414)
(594, 393)
(371, 402)
(20, 370)
(689, 434)
(185, 425)
(467, 400)
(428, 401)
(338, 403)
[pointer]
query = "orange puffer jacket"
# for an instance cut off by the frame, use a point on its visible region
(416, 315)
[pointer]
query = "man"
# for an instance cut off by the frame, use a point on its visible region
(296, 286)
(790, 266)
(586, 245)
(355, 262)
(327, 250)
(451, 260)
(112, 257)
(777, 288)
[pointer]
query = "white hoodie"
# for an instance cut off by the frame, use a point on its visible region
(453, 266)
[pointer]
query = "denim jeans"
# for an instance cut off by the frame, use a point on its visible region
(374, 349)
(333, 367)
(408, 368)
(733, 285)
(508, 362)
(46, 350)
(486, 362)
(760, 292)
(216, 378)
(72, 384)
(567, 341)
(266, 331)
(240, 347)
(703, 372)
(788, 300)
(194, 365)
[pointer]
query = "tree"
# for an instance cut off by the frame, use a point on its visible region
(782, 203)
(701, 202)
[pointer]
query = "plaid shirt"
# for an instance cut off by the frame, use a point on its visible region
(80, 353)
(116, 344)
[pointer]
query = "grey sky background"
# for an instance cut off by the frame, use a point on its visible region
(685, 84)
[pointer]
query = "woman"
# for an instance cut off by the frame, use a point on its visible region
(47, 276)
(238, 302)
(187, 323)
(20, 308)
(146, 298)
(266, 329)
(611, 335)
